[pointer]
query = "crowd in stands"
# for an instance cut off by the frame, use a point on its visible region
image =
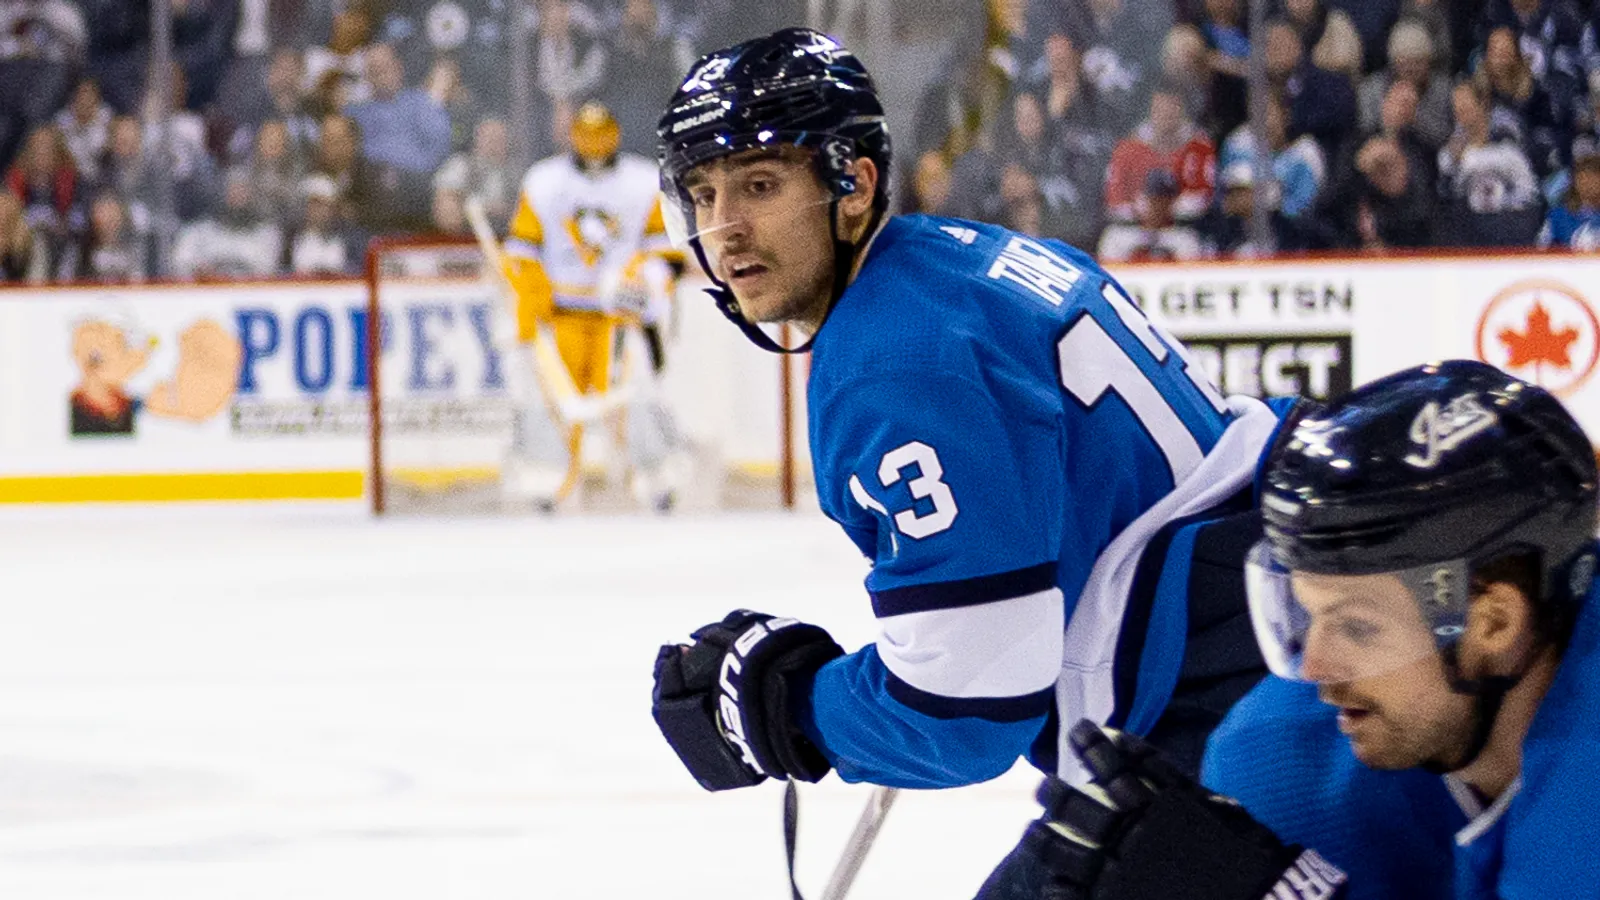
(1120, 126)
(299, 129)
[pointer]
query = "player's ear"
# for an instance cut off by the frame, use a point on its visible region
(859, 202)
(1500, 630)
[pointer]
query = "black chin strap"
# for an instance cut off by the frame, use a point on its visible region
(844, 259)
(1488, 696)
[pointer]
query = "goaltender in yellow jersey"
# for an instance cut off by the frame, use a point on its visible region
(587, 251)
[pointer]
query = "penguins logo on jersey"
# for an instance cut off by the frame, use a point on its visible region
(592, 230)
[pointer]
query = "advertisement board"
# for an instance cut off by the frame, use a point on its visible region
(260, 391)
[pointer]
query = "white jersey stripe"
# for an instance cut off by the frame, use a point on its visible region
(1007, 648)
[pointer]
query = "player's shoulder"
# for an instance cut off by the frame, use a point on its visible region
(941, 298)
(635, 167)
(549, 170)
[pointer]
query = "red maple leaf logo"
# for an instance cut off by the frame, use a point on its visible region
(1537, 343)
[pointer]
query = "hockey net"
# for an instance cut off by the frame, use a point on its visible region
(446, 393)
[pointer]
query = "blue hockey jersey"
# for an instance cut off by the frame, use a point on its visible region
(1000, 430)
(1398, 834)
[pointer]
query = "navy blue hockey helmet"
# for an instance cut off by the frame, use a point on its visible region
(1424, 475)
(795, 87)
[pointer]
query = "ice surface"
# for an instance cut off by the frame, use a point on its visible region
(230, 704)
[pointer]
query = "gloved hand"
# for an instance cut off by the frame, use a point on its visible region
(1143, 830)
(726, 703)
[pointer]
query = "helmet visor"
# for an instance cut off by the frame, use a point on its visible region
(1335, 628)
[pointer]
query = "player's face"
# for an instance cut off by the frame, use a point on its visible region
(762, 218)
(1373, 658)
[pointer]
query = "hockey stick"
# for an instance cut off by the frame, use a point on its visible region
(855, 849)
(570, 406)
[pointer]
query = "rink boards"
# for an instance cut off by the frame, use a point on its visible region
(260, 391)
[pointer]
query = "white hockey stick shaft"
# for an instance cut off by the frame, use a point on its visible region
(855, 851)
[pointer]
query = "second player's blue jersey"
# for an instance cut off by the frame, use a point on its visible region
(1400, 834)
(1000, 430)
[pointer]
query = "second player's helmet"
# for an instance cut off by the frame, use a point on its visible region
(795, 87)
(1425, 475)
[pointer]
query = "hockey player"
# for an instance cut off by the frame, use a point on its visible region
(1055, 500)
(1428, 574)
(587, 251)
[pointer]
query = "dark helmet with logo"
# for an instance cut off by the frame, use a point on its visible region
(795, 87)
(1452, 460)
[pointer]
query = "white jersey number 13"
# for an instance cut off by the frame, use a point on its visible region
(1092, 363)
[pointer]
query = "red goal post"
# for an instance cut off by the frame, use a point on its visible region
(441, 404)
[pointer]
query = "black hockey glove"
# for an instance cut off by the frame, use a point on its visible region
(1144, 830)
(726, 702)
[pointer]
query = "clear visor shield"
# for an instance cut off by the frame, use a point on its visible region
(739, 199)
(740, 234)
(1335, 628)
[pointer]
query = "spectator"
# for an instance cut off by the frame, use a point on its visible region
(128, 172)
(1397, 120)
(1372, 20)
(1521, 105)
(1121, 44)
(1298, 166)
(109, 250)
(1157, 235)
(202, 32)
(44, 181)
(1186, 65)
(345, 54)
(570, 58)
(23, 256)
(1227, 228)
(1021, 201)
(323, 244)
(278, 96)
(445, 86)
(1339, 49)
(1411, 59)
(1574, 224)
(449, 213)
(42, 46)
(1309, 18)
(377, 198)
(266, 30)
(486, 173)
(1168, 140)
(1431, 15)
(86, 126)
(643, 59)
(1549, 33)
(1378, 204)
(1321, 103)
(1228, 62)
(1068, 209)
(118, 57)
(1482, 169)
(235, 243)
(401, 127)
(276, 169)
(187, 160)
(469, 35)
(930, 184)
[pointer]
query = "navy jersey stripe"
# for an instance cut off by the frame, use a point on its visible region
(977, 591)
(993, 709)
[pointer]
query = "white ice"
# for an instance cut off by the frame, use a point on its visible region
(233, 704)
